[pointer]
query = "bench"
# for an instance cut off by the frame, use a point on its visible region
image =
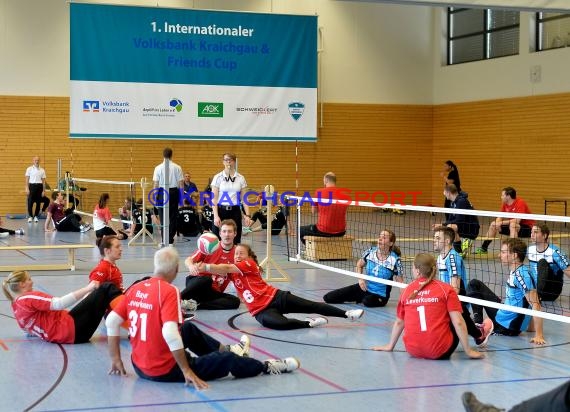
(48, 266)
(328, 248)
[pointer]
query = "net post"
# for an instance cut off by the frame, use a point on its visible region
(66, 187)
(269, 261)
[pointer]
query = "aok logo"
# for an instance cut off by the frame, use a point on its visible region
(91, 105)
(207, 109)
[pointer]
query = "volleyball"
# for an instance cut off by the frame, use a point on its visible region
(208, 243)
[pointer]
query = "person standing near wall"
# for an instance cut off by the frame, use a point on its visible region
(450, 175)
(35, 189)
(174, 182)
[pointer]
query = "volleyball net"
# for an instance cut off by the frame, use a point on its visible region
(126, 200)
(414, 230)
(83, 194)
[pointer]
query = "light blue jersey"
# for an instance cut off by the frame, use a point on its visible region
(386, 269)
(452, 266)
(557, 260)
(520, 282)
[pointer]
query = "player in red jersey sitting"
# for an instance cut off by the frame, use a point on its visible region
(430, 311)
(162, 342)
(268, 304)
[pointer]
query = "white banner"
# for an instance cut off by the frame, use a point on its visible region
(159, 73)
(131, 110)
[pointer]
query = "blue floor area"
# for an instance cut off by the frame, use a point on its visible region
(339, 371)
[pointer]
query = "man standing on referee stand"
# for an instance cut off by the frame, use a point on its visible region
(520, 292)
(35, 189)
(505, 226)
(174, 183)
(331, 220)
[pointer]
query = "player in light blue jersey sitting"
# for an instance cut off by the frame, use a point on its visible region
(452, 271)
(520, 291)
(381, 261)
(548, 263)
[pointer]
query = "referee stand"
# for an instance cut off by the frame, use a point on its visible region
(269, 262)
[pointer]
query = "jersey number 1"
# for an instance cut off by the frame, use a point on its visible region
(422, 311)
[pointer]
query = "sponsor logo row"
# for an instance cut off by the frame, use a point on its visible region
(175, 105)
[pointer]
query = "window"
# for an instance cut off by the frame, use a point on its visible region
(552, 31)
(479, 34)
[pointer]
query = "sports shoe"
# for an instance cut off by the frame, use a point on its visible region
(245, 230)
(279, 366)
(189, 305)
(486, 329)
(481, 251)
(4, 234)
(85, 228)
(472, 404)
(36, 220)
(316, 322)
(466, 246)
(19, 231)
(398, 212)
(354, 314)
(30, 219)
(241, 348)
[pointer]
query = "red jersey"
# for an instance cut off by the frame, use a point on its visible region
(252, 289)
(518, 206)
(332, 216)
(57, 211)
(427, 332)
(148, 305)
(220, 256)
(101, 217)
(33, 314)
(106, 271)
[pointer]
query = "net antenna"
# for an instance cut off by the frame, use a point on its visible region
(268, 262)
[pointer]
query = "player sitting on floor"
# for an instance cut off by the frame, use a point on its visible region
(383, 262)
(268, 304)
(161, 342)
(430, 311)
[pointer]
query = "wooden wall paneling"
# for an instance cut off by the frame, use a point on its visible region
(370, 147)
(518, 142)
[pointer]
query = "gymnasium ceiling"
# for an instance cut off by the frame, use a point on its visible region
(562, 6)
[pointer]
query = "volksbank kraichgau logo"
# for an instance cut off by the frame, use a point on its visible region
(296, 110)
(208, 109)
(176, 104)
(91, 105)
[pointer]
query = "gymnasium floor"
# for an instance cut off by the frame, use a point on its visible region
(338, 371)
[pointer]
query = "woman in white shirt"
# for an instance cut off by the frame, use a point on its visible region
(227, 187)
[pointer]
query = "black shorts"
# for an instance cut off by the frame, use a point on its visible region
(524, 231)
